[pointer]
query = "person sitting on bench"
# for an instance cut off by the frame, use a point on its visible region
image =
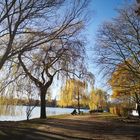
(74, 112)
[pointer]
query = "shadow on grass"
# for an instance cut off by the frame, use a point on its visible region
(102, 128)
(28, 130)
(22, 131)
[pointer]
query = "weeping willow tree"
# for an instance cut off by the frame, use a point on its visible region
(42, 39)
(74, 94)
(98, 99)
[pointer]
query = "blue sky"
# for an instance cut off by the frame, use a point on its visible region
(101, 11)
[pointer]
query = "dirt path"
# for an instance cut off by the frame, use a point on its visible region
(85, 127)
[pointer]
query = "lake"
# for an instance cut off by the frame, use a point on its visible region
(19, 112)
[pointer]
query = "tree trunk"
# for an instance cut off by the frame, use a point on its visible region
(78, 103)
(138, 109)
(138, 103)
(43, 104)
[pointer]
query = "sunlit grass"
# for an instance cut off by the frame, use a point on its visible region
(106, 116)
(59, 116)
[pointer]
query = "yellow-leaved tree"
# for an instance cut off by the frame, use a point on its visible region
(125, 86)
(74, 94)
(98, 99)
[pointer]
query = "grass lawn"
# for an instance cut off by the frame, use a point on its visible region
(100, 126)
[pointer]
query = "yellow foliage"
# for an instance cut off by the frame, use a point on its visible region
(70, 92)
(123, 82)
(119, 111)
(97, 99)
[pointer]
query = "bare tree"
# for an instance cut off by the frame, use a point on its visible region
(42, 68)
(62, 51)
(118, 42)
(32, 101)
(16, 18)
(26, 90)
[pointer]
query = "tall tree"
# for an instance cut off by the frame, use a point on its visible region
(22, 23)
(118, 46)
(61, 50)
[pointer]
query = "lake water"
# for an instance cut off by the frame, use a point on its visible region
(20, 113)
